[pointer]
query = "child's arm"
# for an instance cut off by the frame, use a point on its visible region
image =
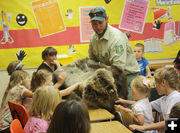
(139, 119)
(68, 90)
(154, 126)
(60, 79)
(120, 107)
(27, 93)
(123, 101)
(148, 71)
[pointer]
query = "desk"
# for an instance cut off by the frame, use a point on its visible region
(159, 65)
(100, 115)
(109, 127)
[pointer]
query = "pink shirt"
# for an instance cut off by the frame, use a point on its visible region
(27, 103)
(36, 125)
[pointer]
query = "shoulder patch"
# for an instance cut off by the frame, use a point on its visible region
(119, 49)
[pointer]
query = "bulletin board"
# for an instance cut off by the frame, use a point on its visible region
(21, 26)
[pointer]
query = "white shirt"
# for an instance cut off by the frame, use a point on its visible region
(165, 103)
(143, 107)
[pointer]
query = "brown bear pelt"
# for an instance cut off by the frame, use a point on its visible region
(101, 84)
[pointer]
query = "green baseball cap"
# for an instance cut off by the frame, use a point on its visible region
(97, 13)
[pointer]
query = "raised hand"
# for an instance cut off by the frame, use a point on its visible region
(20, 55)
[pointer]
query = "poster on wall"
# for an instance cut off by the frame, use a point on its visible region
(85, 25)
(170, 36)
(48, 17)
(134, 15)
(152, 45)
(167, 2)
(5, 21)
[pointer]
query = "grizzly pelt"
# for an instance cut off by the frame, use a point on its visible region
(101, 84)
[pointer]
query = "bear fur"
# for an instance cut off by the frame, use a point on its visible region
(101, 84)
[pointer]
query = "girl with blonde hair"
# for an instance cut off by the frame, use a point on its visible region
(141, 107)
(167, 81)
(44, 102)
(17, 90)
(39, 78)
(44, 77)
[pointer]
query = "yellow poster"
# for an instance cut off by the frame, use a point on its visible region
(48, 17)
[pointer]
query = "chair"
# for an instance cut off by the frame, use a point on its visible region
(15, 126)
(18, 111)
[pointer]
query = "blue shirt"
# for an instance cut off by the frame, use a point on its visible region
(142, 65)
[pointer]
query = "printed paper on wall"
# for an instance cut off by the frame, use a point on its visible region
(85, 24)
(48, 17)
(167, 2)
(152, 45)
(169, 33)
(134, 15)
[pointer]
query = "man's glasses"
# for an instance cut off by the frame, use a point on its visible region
(98, 14)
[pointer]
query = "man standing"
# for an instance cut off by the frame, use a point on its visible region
(110, 46)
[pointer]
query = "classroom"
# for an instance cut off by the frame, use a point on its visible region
(94, 53)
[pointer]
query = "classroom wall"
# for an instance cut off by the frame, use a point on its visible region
(28, 38)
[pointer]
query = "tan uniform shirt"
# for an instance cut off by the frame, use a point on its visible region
(113, 48)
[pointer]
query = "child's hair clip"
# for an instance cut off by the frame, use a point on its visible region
(146, 81)
(165, 67)
(17, 66)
